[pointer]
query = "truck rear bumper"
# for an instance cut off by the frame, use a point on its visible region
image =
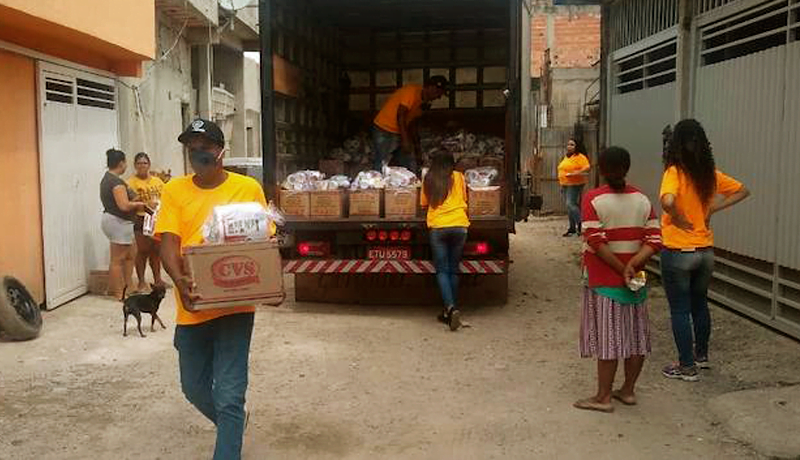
(412, 267)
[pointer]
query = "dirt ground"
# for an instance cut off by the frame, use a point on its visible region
(341, 382)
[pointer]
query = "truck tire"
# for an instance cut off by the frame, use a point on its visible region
(20, 317)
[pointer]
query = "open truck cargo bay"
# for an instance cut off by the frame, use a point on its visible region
(331, 64)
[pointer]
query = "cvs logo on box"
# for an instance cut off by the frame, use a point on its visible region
(235, 271)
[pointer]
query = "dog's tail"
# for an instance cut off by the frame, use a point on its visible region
(125, 289)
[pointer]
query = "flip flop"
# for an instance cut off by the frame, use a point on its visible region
(629, 401)
(590, 404)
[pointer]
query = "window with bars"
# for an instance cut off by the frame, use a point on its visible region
(635, 20)
(767, 25)
(704, 6)
(59, 89)
(649, 68)
(94, 94)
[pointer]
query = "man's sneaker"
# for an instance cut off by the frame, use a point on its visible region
(702, 362)
(455, 319)
(443, 318)
(676, 371)
(569, 233)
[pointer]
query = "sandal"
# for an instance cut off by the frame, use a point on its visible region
(627, 400)
(591, 404)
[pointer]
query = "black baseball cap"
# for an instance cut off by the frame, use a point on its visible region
(439, 82)
(205, 128)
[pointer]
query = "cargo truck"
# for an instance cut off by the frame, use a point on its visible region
(327, 67)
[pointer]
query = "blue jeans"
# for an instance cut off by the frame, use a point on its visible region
(447, 245)
(572, 196)
(387, 148)
(213, 360)
(686, 276)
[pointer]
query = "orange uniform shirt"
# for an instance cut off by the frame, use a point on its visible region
(185, 208)
(453, 212)
(573, 164)
(675, 182)
(410, 97)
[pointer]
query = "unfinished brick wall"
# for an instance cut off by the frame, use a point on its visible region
(573, 37)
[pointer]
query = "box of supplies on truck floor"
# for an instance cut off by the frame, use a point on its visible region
(326, 204)
(484, 201)
(401, 203)
(236, 274)
(365, 203)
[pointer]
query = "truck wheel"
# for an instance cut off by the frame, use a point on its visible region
(20, 317)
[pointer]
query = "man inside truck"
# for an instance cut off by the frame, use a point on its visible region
(394, 132)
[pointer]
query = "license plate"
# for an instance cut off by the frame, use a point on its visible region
(389, 253)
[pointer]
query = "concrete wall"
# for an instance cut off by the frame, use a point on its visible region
(152, 123)
(113, 36)
(252, 100)
(569, 93)
(21, 245)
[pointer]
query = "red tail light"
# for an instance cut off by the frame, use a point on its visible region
(313, 249)
(383, 235)
(405, 235)
(372, 235)
(477, 248)
(394, 235)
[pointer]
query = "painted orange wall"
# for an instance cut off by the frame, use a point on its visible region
(110, 35)
(21, 253)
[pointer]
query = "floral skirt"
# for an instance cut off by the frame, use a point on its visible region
(611, 330)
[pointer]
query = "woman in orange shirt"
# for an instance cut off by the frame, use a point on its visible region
(573, 175)
(444, 191)
(689, 190)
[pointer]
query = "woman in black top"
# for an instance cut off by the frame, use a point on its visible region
(119, 211)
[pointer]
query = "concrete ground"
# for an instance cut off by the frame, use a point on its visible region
(341, 382)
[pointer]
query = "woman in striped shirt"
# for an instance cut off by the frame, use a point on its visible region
(621, 233)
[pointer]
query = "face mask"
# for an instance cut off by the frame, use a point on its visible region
(202, 157)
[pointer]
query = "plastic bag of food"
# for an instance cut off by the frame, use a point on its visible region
(303, 180)
(483, 176)
(366, 180)
(399, 177)
(340, 180)
(239, 222)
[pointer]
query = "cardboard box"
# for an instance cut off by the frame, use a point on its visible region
(295, 204)
(326, 204)
(365, 203)
(331, 167)
(484, 201)
(236, 274)
(401, 203)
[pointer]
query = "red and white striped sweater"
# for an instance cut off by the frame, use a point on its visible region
(622, 220)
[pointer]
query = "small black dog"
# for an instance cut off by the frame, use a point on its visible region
(143, 303)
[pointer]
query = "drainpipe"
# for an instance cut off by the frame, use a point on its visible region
(685, 59)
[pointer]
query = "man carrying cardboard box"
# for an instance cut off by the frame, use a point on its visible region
(213, 345)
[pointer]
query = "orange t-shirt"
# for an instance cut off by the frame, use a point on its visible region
(676, 182)
(453, 212)
(184, 209)
(573, 164)
(410, 97)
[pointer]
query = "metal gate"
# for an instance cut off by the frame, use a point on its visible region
(77, 124)
(743, 81)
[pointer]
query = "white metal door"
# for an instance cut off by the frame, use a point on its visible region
(78, 122)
